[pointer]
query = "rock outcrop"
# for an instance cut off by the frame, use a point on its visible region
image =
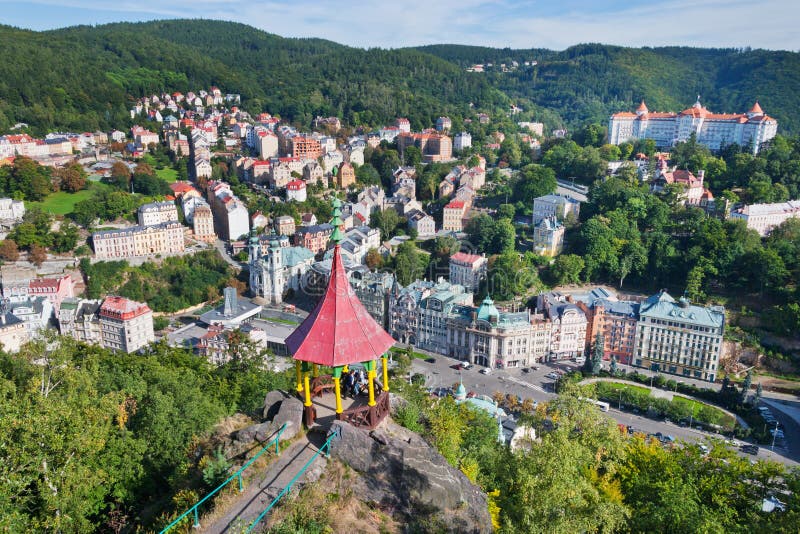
(282, 409)
(401, 471)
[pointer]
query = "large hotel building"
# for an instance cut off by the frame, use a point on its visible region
(713, 130)
(164, 238)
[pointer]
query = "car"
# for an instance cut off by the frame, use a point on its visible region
(526, 369)
(466, 365)
(703, 448)
(430, 360)
(749, 449)
(486, 370)
(553, 375)
(535, 367)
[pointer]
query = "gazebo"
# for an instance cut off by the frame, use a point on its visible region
(338, 333)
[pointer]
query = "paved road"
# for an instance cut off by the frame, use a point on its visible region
(535, 385)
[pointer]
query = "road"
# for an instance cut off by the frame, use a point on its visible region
(535, 385)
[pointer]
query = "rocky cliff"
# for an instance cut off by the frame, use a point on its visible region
(400, 471)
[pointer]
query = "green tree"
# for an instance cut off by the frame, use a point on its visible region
(534, 181)
(386, 221)
(566, 269)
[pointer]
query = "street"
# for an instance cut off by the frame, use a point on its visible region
(535, 385)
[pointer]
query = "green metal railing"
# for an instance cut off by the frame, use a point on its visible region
(237, 475)
(325, 448)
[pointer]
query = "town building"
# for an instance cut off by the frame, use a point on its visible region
(284, 225)
(125, 325)
(78, 319)
(345, 175)
(357, 242)
(679, 338)
(373, 290)
(267, 144)
(468, 270)
(423, 223)
(548, 206)
(434, 147)
(11, 210)
(443, 124)
(296, 190)
(434, 312)
(13, 332)
(314, 238)
(462, 141)
(488, 337)
(155, 213)
(233, 312)
(764, 217)
(548, 237)
(404, 310)
(713, 130)
(693, 191)
(55, 290)
(34, 312)
(276, 269)
(203, 224)
(231, 218)
(304, 147)
(616, 322)
(453, 216)
(313, 173)
(164, 238)
(568, 325)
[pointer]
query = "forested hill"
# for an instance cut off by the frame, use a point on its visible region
(84, 77)
(588, 82)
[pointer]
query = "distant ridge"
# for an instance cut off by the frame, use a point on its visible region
(84, 77)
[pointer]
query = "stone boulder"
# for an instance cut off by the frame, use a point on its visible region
(402, 471)
(271, 404)
(288, 410)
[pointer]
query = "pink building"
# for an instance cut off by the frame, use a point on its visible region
(54, 289)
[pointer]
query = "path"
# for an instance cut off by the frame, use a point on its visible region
(262, 490)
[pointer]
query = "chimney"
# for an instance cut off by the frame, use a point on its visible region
(230, 302)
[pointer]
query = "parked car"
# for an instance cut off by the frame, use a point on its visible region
(430, 360)
(466, 365)
(486, 370)
(749, 449)
(526, 370)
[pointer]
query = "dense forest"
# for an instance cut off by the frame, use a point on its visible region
(588, 82)
(84, 77)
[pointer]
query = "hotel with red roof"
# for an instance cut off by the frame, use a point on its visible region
(713, 130)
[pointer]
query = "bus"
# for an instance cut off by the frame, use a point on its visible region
(604, 406)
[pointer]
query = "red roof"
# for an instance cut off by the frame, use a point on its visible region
(756, 109)
(339, 331)
(122, 308)
(642, 107)
(296, 185)
(455, 204)
(463, 257)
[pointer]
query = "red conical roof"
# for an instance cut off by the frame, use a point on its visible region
(339, 331)
(756, 109)
(642, 107)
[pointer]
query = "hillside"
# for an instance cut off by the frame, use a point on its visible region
(588, 82)
(82, 78)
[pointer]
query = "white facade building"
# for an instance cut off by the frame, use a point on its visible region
(713, 130)
(461, 141)
(764, 217)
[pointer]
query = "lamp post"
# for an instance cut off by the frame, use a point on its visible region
(774, 433)
(620, 400)
(691, 416)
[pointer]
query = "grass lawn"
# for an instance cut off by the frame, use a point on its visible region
(63, 202)
(418, 355)
(280, 321)
(167, 174)
(617, 385)
(716, 415)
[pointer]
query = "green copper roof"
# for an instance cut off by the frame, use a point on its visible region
(487, 310)
(336, 221)
(663, 306)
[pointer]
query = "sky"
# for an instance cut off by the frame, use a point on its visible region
(554, 24)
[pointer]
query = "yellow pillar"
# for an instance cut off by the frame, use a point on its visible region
(314, 370)
(385, 373)
(307, 390)
(338, 392)
(346, 369)
(299, 372)
(371, 375)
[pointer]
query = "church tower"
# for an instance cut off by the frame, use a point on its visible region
(274, 280)
(254, 260)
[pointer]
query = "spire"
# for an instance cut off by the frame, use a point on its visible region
(756, 110)
(642, 109)
(697, 104)
(336, 221)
